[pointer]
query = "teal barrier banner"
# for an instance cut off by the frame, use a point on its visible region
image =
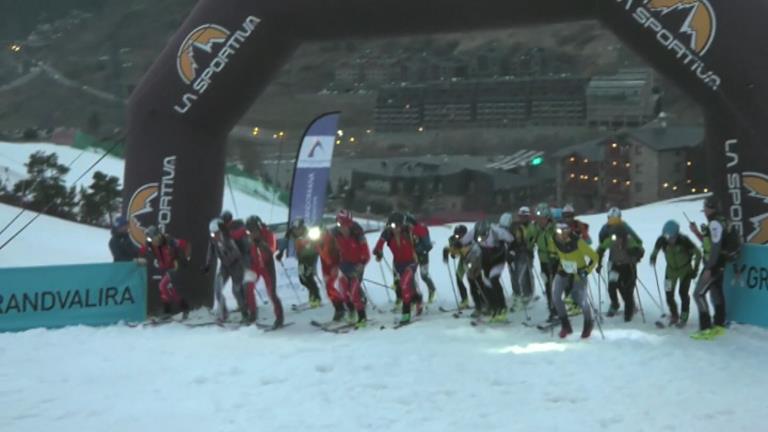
(746, 294)
(93, 294)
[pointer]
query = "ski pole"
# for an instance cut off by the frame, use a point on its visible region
(658, 288)
(369, 299)
(451, 275)
(386, 284)
(661, 308)
(592, 305)
(599, 298)
(373, 282)
(639, 303)
(290, 281)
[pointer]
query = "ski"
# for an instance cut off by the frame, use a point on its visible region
(660, 325)
(269, 328)
(479, 322)
(333, 326)
(547, 326)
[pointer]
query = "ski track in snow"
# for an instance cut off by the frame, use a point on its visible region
(439, 374)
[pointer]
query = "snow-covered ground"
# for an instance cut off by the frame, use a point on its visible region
(439, 374)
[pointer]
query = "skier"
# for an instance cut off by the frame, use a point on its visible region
(721, 242)
(577, 226)
(492, 240)
(306, 245)
(262, 264)
(167, 255)
(398, 237)
(329, 263)
(521, 256)
(626, 251)
(541, 231)
(683, 259)
(233, 263)
(120, 244)
(349, 238)
(576, 261)
(476, 284)
(423, 245)
(456, 250)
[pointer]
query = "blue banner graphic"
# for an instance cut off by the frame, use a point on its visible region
(92, 294)
(313, 168)
(746, 294)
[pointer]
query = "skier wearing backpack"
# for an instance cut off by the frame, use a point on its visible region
(233, 264)
(423, 244)
(456, 250)
(306, 245)
(349, 238)
(578, 227)
(520, 256)
(626, 251)
(492, 240)
(541, 231)
(721, 244)
(683, 259)
(167, 254)
(262, 264)
(576, 261)
(398, 237)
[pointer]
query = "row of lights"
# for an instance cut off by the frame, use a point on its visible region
(14, 48)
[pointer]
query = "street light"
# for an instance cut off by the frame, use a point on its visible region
(14, 48)
(255, 131)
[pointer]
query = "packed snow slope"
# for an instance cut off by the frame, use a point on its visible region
(438, 374)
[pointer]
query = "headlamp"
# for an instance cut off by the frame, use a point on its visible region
(314, 233)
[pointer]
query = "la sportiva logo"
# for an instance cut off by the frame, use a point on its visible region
(202, 39)
(206, 51)
(139, 207)
(687, 28)
(142, 205)
(757, 184)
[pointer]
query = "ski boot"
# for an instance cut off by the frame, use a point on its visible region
(405, 319)
(500, 317)
(673, 320)
(338, 313)
(587, 330)
(565, 328)
(432, 295)
(315, 303)
(612, 311)
(419, 308)
(184, 310)
(683, 320)
(362, 319)
(278, 322)
(464, 304)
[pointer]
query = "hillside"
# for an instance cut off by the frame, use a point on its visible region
(108, 45)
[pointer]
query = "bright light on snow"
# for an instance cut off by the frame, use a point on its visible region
(532, 348)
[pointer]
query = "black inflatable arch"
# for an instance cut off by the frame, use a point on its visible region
(227, 51)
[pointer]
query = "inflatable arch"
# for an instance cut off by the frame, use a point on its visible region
(227, 51)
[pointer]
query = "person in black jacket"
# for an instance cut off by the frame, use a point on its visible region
(121, 245)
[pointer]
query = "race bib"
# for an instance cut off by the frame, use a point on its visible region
(613, 276)
(669, 285)
(570, 267)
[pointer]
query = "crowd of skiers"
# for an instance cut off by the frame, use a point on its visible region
(247, 251)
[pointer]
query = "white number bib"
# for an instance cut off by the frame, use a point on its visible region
(613, 276)
(570, 267)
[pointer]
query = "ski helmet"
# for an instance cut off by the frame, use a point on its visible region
(563, 228)
(569, 211)
(671, 230)
(557, 214)
(482, 230)
(215, 225)
(712, 203)
(344, 218)
(396, 220)
(253, 223)
(506, 220)
(410, 219)
(524, 211)
(460, 231)
(614, 212)
(120, 222)
(226, 216)
(152, 232)
(542, 210)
